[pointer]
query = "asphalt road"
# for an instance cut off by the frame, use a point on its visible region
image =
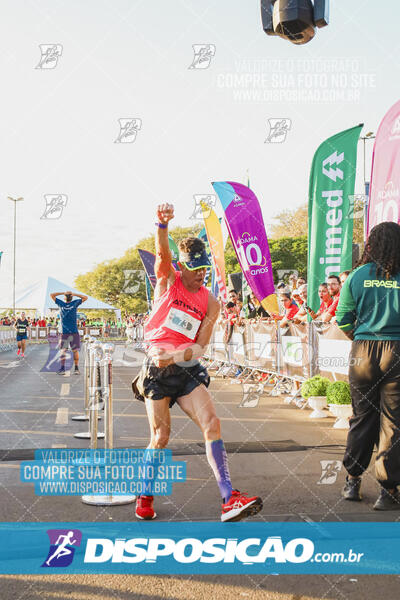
(275, 451)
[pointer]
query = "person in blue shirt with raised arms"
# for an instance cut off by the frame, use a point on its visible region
(69, 326)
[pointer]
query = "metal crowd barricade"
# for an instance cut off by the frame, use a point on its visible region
(134, 334)
(100, 394)
(330, 351)
(43, 332)
(7, 337)
(138, 335)
(286, 355)
(93, 331)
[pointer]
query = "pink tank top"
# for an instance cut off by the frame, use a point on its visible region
(176, 317)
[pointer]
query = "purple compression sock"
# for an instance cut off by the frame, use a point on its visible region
(218, 460)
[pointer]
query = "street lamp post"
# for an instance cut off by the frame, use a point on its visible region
(368, 136)
(15, 200)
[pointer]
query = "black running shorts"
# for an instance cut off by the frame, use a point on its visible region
(172, 381)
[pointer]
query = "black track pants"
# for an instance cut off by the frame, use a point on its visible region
(374, 377)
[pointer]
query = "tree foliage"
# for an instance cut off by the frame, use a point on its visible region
(358, 221)
(286, 253)
(290, 223)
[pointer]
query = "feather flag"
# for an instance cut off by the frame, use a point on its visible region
(174, 251)
(384, 196)
(215, 240)
(330, 220)
(148, 293)
(244, 220)
(148, 259)
(203, 236)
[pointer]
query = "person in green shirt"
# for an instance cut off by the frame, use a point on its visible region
(369, 313)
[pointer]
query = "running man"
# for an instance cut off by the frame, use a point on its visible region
(62, 549)
(69, 327)
(176, 335)
(21, 325)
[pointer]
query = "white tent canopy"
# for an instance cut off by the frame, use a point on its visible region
(37, 297)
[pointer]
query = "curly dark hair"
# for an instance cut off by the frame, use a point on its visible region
(191, 244)
(383, 249)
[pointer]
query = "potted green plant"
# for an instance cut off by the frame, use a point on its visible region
(339, 396)
(314, 390)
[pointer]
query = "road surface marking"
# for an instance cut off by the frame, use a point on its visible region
(53, 433)
(55, 397)
(58, 446)
(62, 416)
(27, 410)
(65, 389)
(10, 365)
(264, 418)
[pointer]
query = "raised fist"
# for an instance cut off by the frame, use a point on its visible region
(165, 212)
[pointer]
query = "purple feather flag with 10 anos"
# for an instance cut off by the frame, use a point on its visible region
(246, 228)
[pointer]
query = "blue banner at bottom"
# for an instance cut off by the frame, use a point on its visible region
(195, 547)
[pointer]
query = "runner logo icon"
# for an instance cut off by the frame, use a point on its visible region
(203, 53)
(50, 53)
(278, 129)
(330, 470)
(61, 551)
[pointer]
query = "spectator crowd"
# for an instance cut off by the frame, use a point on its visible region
(292, 301)
(124, 326)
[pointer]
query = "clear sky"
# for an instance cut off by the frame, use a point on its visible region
(130, 59)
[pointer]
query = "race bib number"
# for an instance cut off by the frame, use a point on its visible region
(183, 323)
(21, 329)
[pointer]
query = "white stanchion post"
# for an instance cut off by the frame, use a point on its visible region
(109, 499)
(87, 339)
(92, 392)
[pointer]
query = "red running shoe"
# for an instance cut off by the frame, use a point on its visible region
(144, 508)
(239, 506)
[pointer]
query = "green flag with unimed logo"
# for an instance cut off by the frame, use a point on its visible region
(174, 249)
(330, 215)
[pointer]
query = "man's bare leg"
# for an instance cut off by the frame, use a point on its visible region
(160, 426)
(199, 406)
(159, 418)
